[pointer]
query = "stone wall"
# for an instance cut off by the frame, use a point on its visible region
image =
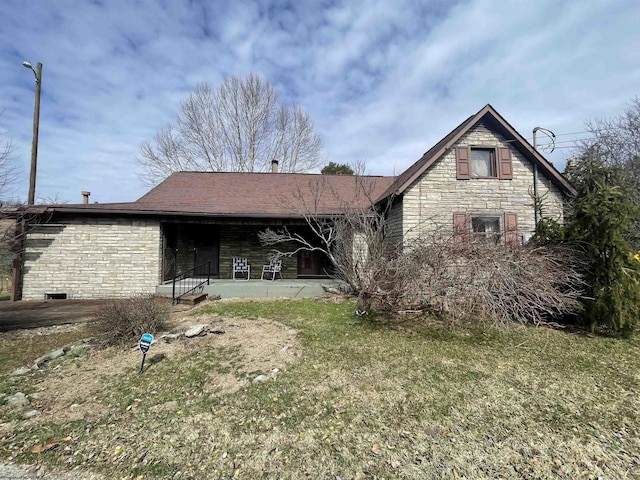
(92, 258)
(429, 204)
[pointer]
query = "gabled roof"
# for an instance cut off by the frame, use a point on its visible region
(280, 195)
(415, 171)
(227, 194)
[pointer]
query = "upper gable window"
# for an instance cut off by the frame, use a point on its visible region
(483, 163)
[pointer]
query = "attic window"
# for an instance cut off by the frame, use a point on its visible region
(483, 163)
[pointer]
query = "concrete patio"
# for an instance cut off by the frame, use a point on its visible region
(295, 288)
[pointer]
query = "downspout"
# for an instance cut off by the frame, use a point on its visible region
(535, 183)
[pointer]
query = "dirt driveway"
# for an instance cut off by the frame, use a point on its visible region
(33, 314)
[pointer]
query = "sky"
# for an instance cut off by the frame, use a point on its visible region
(383, 81)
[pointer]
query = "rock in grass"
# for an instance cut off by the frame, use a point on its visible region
(20, 371)
(170, 337)
(31, 414)
(196, 331)
(218, 330)
(77, 349)
(260, 378)
(48, 357)
(17, 400)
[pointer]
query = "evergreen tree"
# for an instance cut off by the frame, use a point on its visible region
(337, 169)
(599, 221)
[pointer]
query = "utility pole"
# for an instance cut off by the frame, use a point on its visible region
(36, 125)
(536, 200)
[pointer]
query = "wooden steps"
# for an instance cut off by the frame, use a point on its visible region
(192, 298)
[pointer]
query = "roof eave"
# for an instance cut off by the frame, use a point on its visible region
(173, 213)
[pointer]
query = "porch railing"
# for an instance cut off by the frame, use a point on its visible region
(187, 282)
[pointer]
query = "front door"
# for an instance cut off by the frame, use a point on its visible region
(313, 264)
(206, 250)
(307, 263)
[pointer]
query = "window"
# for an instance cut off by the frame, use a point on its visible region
(486, 227)
(483, 163)
(492, 227)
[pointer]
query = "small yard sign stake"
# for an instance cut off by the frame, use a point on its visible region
(144, 345)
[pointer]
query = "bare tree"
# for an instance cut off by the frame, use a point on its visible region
(9, 174)
(616, 142)
(241, 126)
(618, 138)
(351, 235)
(8, 169)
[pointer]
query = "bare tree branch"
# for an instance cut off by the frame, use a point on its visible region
(351, 234)
(9, 172)
(240, 126)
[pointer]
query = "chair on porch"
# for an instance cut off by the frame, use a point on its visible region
(241, 266)
(274, 268)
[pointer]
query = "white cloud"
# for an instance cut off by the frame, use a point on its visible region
(383, 80)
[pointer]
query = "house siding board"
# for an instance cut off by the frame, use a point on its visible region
(394, 222)
(92, 258)
(429, 201)
(242, 241)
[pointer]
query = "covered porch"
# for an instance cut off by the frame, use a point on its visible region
(206, 248)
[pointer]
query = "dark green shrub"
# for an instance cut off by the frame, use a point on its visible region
(601, 218)
(549, 232)
(124, 320)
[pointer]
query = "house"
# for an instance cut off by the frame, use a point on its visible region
(480, 178)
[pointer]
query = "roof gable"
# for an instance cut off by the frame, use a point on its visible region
(415, 171)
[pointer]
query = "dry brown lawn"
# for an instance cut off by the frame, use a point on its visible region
(351, 398)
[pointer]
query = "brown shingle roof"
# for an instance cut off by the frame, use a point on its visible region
(248, 194)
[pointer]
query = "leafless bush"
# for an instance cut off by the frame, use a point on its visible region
(466, 278)
(121, 321)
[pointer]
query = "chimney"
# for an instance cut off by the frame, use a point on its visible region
(85, 197)
(274, 166)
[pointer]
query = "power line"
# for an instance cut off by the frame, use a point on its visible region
(584, 131)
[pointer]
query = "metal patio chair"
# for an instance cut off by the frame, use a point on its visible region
(241, 266)
(274, 268)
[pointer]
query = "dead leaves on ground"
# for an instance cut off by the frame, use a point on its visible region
(50, 443)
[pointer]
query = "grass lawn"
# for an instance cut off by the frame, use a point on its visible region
(365, 399)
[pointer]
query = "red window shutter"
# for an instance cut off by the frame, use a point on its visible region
(460, 224)
(505, 167)
(511, 236)
(463, 163)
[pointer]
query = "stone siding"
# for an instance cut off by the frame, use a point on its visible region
(92, 258)
(429, 204)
